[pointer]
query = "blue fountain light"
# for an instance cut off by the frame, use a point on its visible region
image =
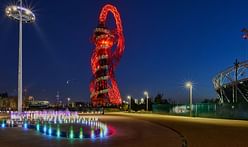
(38, 127)
(3, 125)
(50, 131)
(101, 133)
(58, 133)
(44, 129)
(25, 125)
(92, 135)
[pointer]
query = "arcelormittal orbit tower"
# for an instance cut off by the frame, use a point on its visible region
(109, 47)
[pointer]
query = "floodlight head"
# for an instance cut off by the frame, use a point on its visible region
(16, 12)
(188, 84)
(145, 93)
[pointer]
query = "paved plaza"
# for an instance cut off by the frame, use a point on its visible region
(127, 132)
(145, 130)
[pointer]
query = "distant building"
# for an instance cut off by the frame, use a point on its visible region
(30, 98)
(79, 106)
(8, 103)
(39, 104)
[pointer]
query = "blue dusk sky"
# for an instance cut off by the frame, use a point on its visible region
(168, 42)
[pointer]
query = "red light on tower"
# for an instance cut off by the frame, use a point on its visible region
(104, 59)
(245, 33)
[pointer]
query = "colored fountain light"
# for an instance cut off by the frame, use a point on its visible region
(38, 127)
(45, 128)
(3, 124)
(43, 115)
(71, 132)
(81, 133)
(58, 131)
(12, 123)
(105, 130)
(25, 125)
(104, 59)
(56, 123)
(50, 130)
(101, 133)
(92, 133)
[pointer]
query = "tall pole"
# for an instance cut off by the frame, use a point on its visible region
(190, 86)
(190, 99)
(20, 63)
(130, 103)
(147, 97)
(147, 102)
(17, 12)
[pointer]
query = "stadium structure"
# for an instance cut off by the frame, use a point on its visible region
(232, 83)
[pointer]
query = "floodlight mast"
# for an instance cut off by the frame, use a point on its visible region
(21, 14)
(20, 63)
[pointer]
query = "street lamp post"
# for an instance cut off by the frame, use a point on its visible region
(142, 100)
(147, 97)
(68, 99)
(130, 102)
(25, 15)
(190, 86)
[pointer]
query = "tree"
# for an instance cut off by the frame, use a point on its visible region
(158, 99)
(210, 101)
(4, 95)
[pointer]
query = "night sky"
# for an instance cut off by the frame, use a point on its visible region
(167, 43)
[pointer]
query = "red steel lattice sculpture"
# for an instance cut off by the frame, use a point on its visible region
(104, 59)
